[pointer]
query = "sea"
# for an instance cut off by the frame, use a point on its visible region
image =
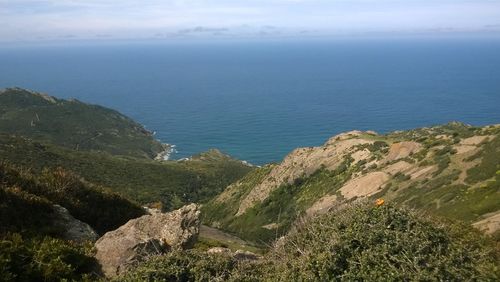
(258, 100)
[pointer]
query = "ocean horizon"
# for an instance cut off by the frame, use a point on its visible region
(257, 101)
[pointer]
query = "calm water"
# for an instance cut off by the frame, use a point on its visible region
(257, 101)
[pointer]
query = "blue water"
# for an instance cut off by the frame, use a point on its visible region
(259, 100)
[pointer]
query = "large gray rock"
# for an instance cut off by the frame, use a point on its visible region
(148, 235)
(74, 229)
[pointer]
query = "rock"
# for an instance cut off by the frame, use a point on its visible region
(74, 229)
(148, 235)
(402, 150)
(219, 251)
(245, 255)
(237, 255)
(303, 162)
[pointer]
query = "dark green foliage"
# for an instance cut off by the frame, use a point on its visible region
(43, 259)
(74, 124)
(358, 243)
(24, 212)
(173, 183)
(367, 243)
(399, 176)
(489, 165)
(35, 195)
(183, 266)
(102, 210)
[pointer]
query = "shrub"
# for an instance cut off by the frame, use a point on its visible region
(183, 266)
(27, 200)
(368, 243)
(43, 259)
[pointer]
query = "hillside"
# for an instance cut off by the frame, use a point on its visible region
(451, 170)
(27, 202)
(173, 183)
(104, 147)
(73, 124)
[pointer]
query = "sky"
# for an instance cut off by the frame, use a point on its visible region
(39, 20)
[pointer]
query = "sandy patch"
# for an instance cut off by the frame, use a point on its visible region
(490, 224)
(397, 167)
(422, 172)
(364, 186)
(463, 149)
(361, 155)
(402, 150)
(474, 140)
(322, 205)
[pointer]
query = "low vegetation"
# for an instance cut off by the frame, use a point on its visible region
(172, 183)
(28, 199)
(362, 242)
(73, 124)
(44, 259)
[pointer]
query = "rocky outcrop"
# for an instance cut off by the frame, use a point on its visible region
(364, 186)
(74, 229)
(402, 150)
(148, 235)
(303, 162)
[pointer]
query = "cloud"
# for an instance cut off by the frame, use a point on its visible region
(27, 19)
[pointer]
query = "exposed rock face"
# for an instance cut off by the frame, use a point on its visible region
(145, 236)
(364, 186)
(402, 150)
(75, 230)
(303, 162)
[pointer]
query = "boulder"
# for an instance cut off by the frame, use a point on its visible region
(74, 229)
(145, 236)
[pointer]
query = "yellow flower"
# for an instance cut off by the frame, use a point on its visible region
(379, 202)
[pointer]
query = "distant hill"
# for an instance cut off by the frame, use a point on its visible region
(74, 124)
(104, 147)
(173, 183)
(451, 170)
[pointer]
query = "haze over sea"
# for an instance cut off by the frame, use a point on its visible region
(259, 100)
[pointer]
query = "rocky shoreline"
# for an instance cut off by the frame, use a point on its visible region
(168, 150)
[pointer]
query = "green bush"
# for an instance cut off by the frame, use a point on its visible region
(27, 201)
(183, 266)
(368, 243)
(43, 259)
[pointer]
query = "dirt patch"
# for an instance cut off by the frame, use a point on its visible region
(322, 205)
(464, 149)
(422, 172)
(218, 235)
(490, 224)
(402, 150)
(361, 155)
(364, 186)
(474, 140)
(397, 167)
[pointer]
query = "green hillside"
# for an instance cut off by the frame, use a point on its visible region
(73, 124)
(106, 148)
(451, 171)
(172, 183)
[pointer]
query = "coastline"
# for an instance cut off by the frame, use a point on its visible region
(168, 150)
